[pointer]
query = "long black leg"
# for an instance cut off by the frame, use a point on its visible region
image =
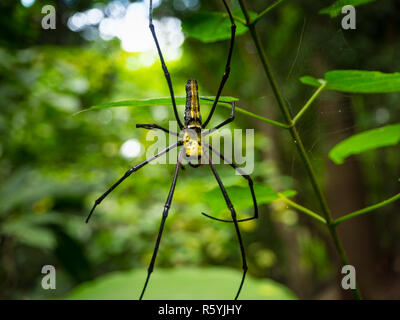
(244, 175)
(164, 67)
(156, 126)
(227, 66)
(127, 174)
(235, 221)
(164, 217)
(223, 123)
(219, 101)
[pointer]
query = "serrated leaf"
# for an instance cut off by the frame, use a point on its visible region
(336, 8)
(213, 26)
(368, 140)
(241, 197)
(152, 102)
(358, 81)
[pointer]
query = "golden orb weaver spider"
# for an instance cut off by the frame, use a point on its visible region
(190, 138)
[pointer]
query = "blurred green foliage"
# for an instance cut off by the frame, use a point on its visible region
(53, 165)
(336, 8)
(181, 284)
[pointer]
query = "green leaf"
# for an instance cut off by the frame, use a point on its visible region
(29, 234)
(241, 197)
(311, 81)
(213, 26)
(336, 7)
(152, 102)
(181, 284)
(368, 140)
(358, 81)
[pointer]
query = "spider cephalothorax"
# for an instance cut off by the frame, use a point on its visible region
(193, 147)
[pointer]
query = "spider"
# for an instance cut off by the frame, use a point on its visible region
(190, 138)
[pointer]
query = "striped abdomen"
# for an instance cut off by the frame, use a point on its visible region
(192, 108)
(192, 134)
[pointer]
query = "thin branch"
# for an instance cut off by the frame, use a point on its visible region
(298, 142)
(367, 209)
(238, 19)
(302, 209)
(310, 101)
(256, 116)
(264, 12)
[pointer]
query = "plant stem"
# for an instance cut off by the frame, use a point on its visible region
(367, 209)
(298, 142)
(301, 208)
(256, 116)
(310, 101)
(237, 19)
(264, 12)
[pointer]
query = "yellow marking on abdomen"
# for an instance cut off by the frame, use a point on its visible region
(194, 106)
(192, 145)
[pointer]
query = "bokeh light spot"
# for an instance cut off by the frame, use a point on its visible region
(131, 149)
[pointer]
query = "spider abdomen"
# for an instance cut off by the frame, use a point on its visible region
(192, 131)
(192, 108)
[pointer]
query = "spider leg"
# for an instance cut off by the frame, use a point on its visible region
(195, 165)
(227, 66)
(163, 65)
(127, 174)
(235, 221)
(219, 101)
(163, 219)
(223, 123)
(245, 176)
(156, 126)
